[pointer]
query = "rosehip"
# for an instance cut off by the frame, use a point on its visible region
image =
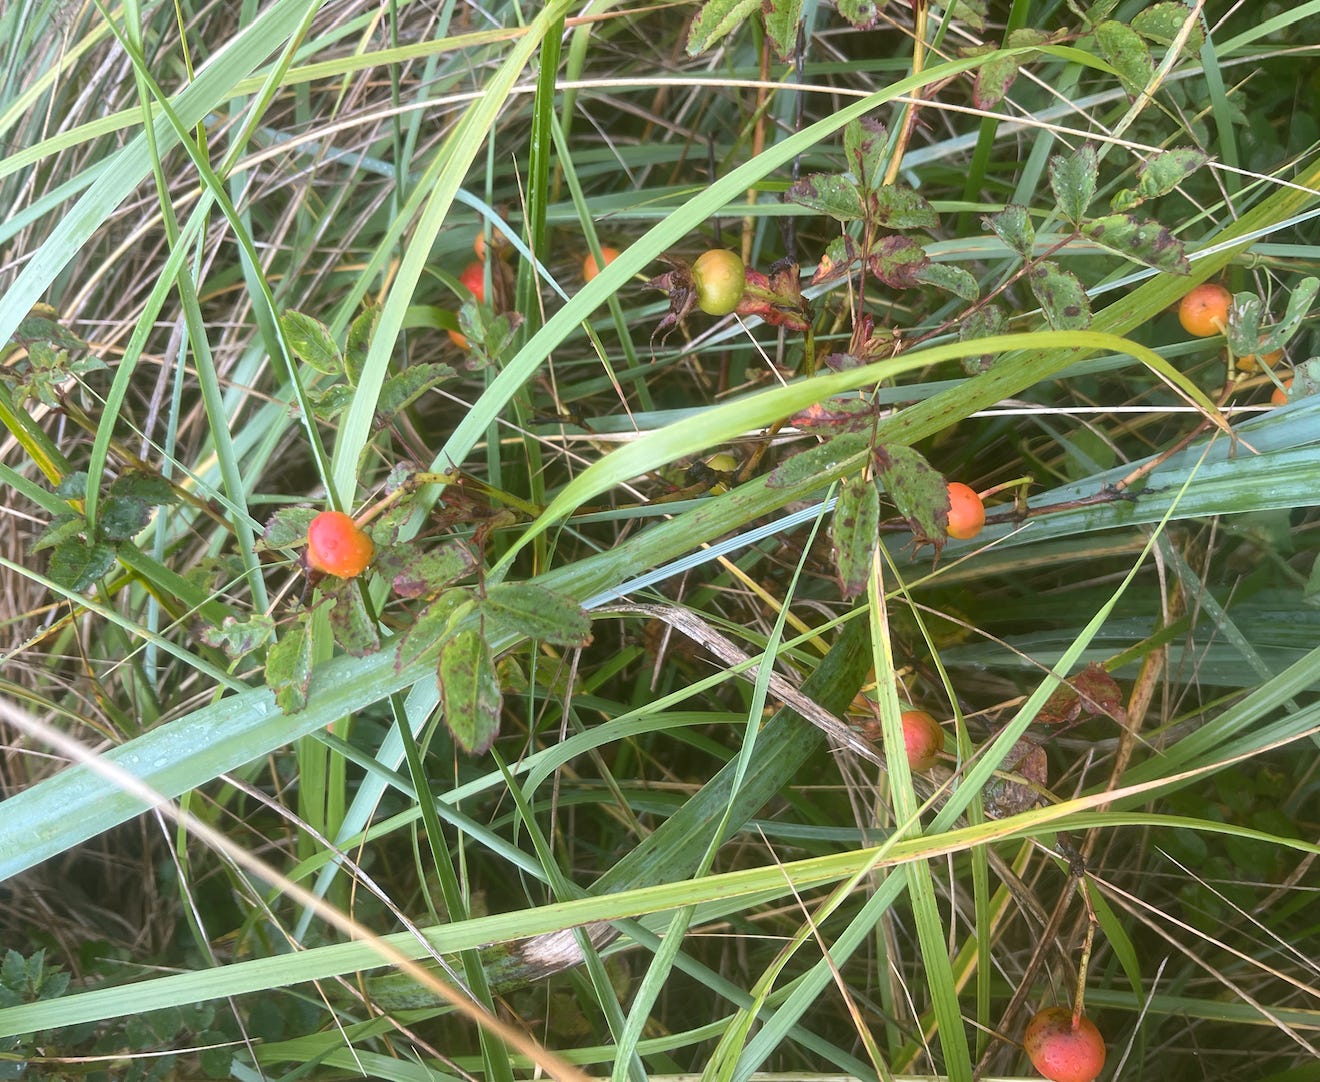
(1061, 1051)
(966, 512)
(923, 739)
(1253, 361)
(589, 268)
(719, 278)
(473, 279)
(1204, 310)
(336, 545)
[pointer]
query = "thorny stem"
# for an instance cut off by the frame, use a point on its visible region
(1084, 890)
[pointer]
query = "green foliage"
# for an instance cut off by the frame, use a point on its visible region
(470, 690)
(854, 530)
(640, 697)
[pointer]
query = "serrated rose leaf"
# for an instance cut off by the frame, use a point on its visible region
(896, 206)
(1005, 796)
(311, 343)
(1013, 226)
(469, 691)
(1061, 296)
(855, 531)
(829, 193)
(896, 261)
(520, 608)
(289, 669)
(864, 143)
(1127, 54)
(775, 298)
(425, 574)
(1141, 241)
(352, 627)
(1073, 179)
(918, 490)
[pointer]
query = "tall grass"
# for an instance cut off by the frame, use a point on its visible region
(695, 846)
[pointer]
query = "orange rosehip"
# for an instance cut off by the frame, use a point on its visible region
(1280, 395)
(1204, 311)
(1254, 361)
(336, 545)
(966, 512)
(589, 267)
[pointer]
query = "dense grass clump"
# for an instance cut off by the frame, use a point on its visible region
(587, 759)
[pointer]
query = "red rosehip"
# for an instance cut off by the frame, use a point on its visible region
(473, 279)
(923, 739)
(336, 545)
(1061, 1051)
